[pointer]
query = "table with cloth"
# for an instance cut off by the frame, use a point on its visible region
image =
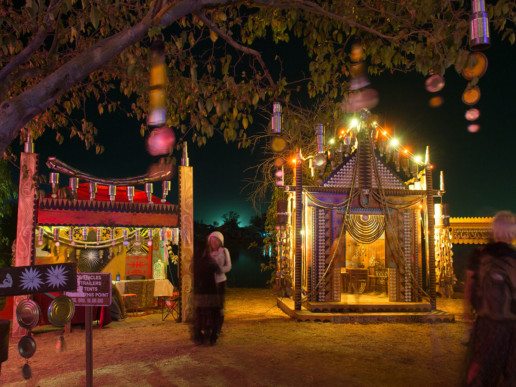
(146, 290)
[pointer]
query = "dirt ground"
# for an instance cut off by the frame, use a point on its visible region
(260, 346)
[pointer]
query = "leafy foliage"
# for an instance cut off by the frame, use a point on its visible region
(58, 55)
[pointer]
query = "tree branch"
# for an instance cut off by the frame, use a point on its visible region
(24, 54)
(236, 45)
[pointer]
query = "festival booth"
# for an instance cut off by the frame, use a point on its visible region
(370, 236)
(108, 226)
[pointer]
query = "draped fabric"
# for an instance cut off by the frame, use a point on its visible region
(365, 229)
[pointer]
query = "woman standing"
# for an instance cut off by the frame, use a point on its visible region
(206, 299)
(220, 254)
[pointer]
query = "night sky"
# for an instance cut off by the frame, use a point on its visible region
(479, 168)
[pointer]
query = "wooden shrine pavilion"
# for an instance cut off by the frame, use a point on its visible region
(373, 237)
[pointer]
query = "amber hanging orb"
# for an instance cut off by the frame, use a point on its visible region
(475, 67)
(471, 95)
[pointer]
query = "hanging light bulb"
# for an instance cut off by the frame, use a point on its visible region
(112, 192)
(137, 242)
(74, 184)
(166, 188)
(149, 235)
(276, 118)
(99, 235)
(319, 136)
(93, 190)
(56, 236)
(125, 237)
(148, 191)
(54, 180)
(70, 236)
(130, 193)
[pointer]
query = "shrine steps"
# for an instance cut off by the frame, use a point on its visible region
(362, 313)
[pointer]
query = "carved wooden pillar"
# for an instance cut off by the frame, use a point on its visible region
(26, 223)
(187, 241)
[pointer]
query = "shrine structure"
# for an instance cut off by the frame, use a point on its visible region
(372, 237)
(105, 225)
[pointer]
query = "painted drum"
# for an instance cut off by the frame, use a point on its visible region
(26, 347)
(61, 311)
(28, 314)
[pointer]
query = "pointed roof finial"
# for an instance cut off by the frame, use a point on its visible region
(427, 156)
(185, 162)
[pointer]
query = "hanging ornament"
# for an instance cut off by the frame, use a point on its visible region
(60, 346)
(125, 237)
(166, 185)
(40, 236)
(54, 180)
(434, 83)
(161, 141)
(472, 114)
(130, 193)
(435, 101)
(70, 236)
(473, 128)
(148, 191)
(93, 190)
(479, 26)
(471, 95)
(84, 234)
(405, 164)
(56, 236)
(149, 237)
(74, 184)
(158, 82)
(475, 67)
(112, 192)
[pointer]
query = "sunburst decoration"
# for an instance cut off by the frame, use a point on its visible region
(30, 279)
(56, 276)
(89, 260)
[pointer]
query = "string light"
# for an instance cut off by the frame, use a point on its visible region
(395, 143)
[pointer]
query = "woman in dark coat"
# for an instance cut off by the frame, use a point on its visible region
(206, 299)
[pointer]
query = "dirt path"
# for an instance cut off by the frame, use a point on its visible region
(260, 347)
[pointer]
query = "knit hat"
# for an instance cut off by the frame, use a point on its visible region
(218, 235)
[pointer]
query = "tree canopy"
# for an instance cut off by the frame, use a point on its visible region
(224, 57)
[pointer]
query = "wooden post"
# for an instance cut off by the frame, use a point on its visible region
(26, 223)
(299, 225)
(431, 228)
(187, 238)
(89, 346)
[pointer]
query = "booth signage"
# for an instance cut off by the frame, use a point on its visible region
(93, 289)
(20, 280)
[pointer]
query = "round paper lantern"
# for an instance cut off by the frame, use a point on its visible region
(472, 114)
(434, 83)
(473, 128)
(435, 101)
(161, 141)
(471, 95)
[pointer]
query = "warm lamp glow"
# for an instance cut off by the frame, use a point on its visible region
(353, 123)
(395, 142)
(418, 159)
(332, 141)
(294, 160)
(384, 133)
